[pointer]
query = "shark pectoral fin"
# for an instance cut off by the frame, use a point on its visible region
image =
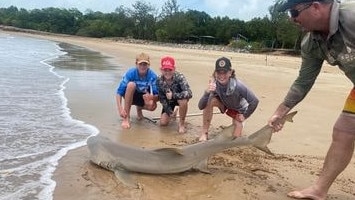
(202, 167)
(126, 178)
(171, 150)
(225, 133)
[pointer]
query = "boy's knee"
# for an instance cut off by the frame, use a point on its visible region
(182, 102)
(151, 106)
(131, 86)
(164, 122)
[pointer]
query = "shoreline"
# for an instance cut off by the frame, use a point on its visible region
(241, 173)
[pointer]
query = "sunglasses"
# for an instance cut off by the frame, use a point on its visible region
(294, 12)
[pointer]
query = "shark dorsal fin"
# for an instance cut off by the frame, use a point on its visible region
(170, 149)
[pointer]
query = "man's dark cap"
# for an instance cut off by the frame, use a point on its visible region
(288, 4)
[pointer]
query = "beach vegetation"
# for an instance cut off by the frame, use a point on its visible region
(167, 24)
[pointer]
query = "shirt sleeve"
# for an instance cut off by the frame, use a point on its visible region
(250, 97)
(203, 100)
(310, 69)
(126, 78)
(162, 93)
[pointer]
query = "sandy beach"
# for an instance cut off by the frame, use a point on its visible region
(237, 173)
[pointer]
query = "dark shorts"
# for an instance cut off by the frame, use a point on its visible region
(172, 105)
(138, 99)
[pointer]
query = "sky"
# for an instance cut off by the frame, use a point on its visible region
(235, 9)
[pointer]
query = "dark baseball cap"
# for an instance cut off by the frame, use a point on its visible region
(223, 64)
(288, 4)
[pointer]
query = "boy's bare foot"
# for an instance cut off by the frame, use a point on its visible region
(203, 137)
(182, 129)
(173, 116)
(237, 135)
(139, 114)
(125, 124)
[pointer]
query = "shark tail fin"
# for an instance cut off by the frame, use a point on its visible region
(289, 117)
(261, 139)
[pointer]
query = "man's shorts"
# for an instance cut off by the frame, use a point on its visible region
(349, 106)
(346, 120)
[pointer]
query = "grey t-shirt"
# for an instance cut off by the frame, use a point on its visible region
(236, 95)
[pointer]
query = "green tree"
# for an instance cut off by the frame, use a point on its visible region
(169, 8)
(261, 31)
(96, 28)
(174, 25)
(124, 21)
(144, 18)
(287, 35)
(200, 22)
(8, 15)
(171, 25)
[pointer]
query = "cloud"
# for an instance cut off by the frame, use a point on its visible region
(219, 5)
(238, 9)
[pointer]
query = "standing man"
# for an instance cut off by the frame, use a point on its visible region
(137, 87)
(330, 37)
(174, 90)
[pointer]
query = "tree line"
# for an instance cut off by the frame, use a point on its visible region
(167, 24)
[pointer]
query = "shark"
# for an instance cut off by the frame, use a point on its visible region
(123, 159)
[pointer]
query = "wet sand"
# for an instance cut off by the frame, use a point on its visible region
(237, 173)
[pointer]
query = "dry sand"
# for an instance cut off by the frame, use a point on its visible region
(238, 173)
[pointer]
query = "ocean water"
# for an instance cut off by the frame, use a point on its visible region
(36, 128)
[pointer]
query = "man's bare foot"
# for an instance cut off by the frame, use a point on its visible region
(308, 193)
(203, 137)
(125, 124)
(182, 129)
